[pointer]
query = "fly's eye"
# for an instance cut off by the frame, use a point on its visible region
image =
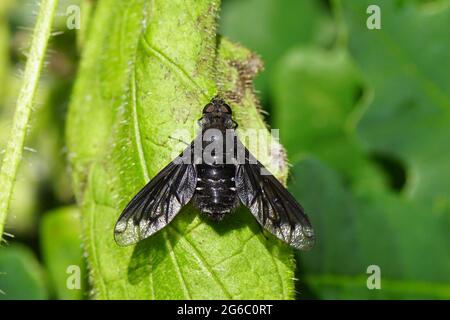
(225, 108)
(209, 108)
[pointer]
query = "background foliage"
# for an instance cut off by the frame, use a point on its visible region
(363, 114)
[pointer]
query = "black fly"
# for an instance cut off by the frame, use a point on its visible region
(216, 182)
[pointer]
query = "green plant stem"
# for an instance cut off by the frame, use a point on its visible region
(342, 32)
(21, 119)
(87, 9)
(5, 7)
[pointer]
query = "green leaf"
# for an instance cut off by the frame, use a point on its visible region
(354, 232)
(393, 103)
(60, 238)
(21, 276)
(322, 88)
(270, 27)
(141, 80)
(410, 113)
(327, 84)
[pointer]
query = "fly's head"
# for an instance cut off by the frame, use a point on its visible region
(217, 113)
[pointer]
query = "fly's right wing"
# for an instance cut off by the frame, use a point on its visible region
(273, 206)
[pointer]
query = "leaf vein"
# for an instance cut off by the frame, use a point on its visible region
(137, 129)
(204, 264)
(177, 266)
(172, 65)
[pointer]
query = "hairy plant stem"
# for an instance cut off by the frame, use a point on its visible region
(14, 149)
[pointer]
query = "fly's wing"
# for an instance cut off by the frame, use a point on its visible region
(158, 202)
(271, 204)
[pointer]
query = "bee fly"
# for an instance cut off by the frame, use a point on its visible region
(215, 182)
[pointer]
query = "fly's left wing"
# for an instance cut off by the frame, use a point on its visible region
(272, 205)
(158, 202)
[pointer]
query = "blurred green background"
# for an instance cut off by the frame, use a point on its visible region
(364, 116)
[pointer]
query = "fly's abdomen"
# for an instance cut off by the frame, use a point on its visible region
(215, 194)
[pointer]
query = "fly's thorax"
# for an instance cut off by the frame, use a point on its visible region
(219, 121)
(218, 146)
